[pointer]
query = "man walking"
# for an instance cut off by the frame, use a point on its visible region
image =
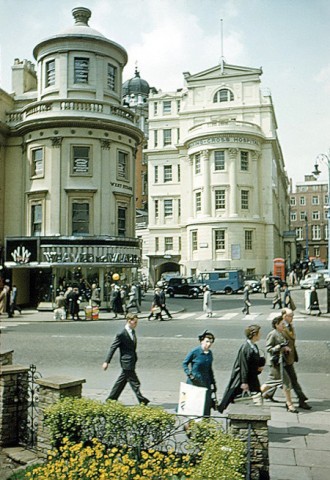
(246, 298)
(277, 300)
(163, 307)
(126, 342)
(133, 299)
(292, 357)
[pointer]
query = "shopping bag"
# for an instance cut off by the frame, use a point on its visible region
(191, 400)
(254, 398)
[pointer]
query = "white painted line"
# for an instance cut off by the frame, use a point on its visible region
(185, 315)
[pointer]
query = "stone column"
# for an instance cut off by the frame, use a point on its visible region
(252, 420)
(51, 390)
(13, 403)
(232, 181)
(206, 183)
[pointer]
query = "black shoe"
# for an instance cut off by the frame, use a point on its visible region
(304, 406)
(145, 401)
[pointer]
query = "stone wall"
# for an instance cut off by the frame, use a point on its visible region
(251, 421)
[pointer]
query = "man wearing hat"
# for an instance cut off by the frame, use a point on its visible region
(277, 300)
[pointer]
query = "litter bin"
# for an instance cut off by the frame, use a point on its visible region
(88, 312)
(95, 312)
(308, 300)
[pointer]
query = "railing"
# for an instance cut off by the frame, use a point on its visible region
(77, 106)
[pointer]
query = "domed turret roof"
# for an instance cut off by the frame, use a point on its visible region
(81, 27)
(136, 85)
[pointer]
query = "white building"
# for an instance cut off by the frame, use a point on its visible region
(67, 166)
(218, 190)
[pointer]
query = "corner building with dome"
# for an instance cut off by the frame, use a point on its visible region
(67, 167)
(218, 189)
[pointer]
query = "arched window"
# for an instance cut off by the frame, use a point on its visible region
(223, 95)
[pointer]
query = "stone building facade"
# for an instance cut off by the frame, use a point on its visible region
(67, 164)
(218, 189)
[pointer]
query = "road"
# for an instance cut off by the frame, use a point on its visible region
(77, 349)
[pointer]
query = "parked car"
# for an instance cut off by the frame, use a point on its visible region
(254, 283)
(184, 286)
(272, 280)
(165, 277)
(326, 273)
(313, 279)
(317, 265)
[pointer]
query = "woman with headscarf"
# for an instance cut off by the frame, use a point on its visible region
(247, 366)
(198, 367)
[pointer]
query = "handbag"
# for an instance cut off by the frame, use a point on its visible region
(155, 310)
(248, 397)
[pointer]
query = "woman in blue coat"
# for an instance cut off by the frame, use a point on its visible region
(198, 367)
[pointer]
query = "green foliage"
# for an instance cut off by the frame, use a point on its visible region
(223, 458)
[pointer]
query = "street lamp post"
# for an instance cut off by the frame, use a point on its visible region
(316, 172)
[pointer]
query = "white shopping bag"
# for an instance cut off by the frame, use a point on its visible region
(191, 399)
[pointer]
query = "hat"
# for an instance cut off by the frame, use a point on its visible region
(206, 333)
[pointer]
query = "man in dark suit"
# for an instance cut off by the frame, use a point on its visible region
(126, 342)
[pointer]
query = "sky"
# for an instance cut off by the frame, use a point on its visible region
(289, 39)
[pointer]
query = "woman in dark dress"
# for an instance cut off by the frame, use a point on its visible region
(198, 367)
(248, 365)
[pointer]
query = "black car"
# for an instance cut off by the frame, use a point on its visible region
(184, 286)
(272, 280)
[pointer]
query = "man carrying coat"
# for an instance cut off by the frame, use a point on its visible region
(126, 342)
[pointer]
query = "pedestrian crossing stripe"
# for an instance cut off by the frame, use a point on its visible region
(252, 316)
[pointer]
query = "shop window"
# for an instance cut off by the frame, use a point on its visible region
(80, 218)
(36, 220)
(122, 211)
(122, 166)
(50, 73)
(81, 70)
(111, 77)
(81, 161)
(37, 162)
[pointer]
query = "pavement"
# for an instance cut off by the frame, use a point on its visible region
(299, 444)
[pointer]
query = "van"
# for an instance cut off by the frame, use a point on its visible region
(223, 281)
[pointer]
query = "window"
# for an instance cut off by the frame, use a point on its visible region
(223, 95)
(194, 241)
(316, 232)
(315, 200)
(198, 201)
(111, 77)
(50, 73)
(179, 207)
(244, 161)
(168, 244)
(244, 199)
(197, 163)
(156, 244)
(167, 107)
(122, 166)
(156, 174)
(155, 138)
(219, 160)
(219, 239)
(179, 246)
(37, 162)
(167, 173)
(293, 201)
(326, 199)
(326, 232)
(80, 218)
(302, 201)
(178, 135)
(36, 220)
(248, 239)
(81, 68)
(167, 136)
(316, 251)
(220, 199)
(293, 216)
(122, 221)
(316, 215)
(80, 160)
(299, 233)
(179, 173)
(155, 109)
(178, 106)
(302, 216)
(168, 208)
(156, 208)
